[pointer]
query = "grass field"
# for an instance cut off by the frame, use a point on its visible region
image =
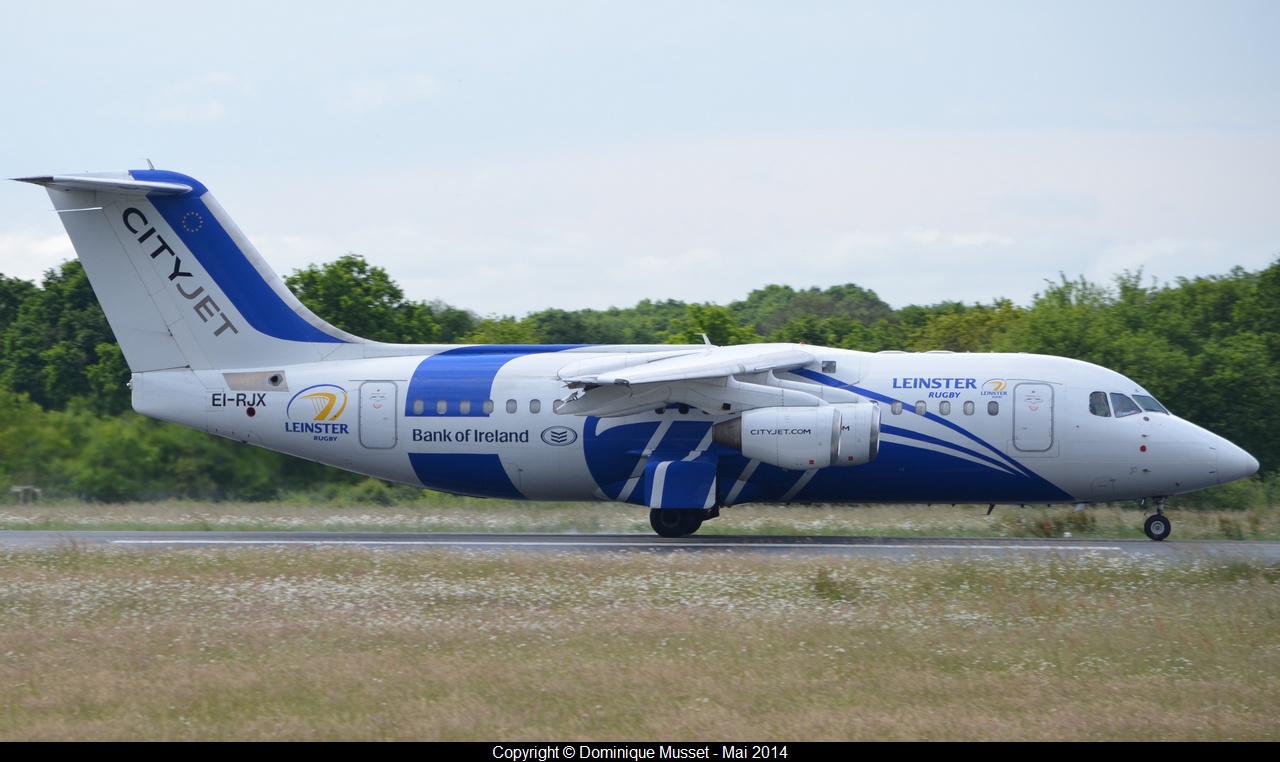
(344, 644)
(356, 645)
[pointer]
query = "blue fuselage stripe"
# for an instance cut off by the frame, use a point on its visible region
(464, 374)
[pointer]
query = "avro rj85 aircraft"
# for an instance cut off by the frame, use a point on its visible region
(215, 341)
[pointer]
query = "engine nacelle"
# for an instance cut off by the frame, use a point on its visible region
(803, 438)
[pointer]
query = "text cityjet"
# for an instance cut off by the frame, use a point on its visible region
(136, 222)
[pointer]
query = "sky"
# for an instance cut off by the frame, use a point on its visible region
(508, 157)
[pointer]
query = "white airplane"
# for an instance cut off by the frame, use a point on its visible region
(215, 341)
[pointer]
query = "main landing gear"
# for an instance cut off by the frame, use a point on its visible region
(677, 522)
(1157, 526)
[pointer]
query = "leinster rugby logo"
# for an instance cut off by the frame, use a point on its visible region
(324, 402)
(316, 410)
(996, 387)
(559, 436)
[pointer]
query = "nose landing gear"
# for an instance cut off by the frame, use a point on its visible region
(1157, 525)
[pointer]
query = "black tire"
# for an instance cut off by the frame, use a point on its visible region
(675, 522)
(1157, 527)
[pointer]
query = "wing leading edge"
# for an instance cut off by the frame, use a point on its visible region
(719, 380)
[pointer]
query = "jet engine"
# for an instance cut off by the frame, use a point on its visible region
(803, 438)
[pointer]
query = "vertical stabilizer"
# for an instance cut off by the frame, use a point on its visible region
(180, 284)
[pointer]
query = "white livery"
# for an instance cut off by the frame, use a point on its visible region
(215, 341)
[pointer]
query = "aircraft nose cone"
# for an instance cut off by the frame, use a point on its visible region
(1234, 463)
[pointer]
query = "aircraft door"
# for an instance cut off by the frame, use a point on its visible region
(1033, 417)
(378, 414)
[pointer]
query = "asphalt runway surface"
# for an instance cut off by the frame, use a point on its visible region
(901, 548)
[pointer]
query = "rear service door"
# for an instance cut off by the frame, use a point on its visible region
(378, 414)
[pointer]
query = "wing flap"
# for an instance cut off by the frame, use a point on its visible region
(717, 397)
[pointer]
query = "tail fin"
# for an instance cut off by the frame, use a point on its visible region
(180, 284)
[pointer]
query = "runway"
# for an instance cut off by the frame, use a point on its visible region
(902, 548)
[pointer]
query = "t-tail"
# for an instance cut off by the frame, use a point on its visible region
(180, 284)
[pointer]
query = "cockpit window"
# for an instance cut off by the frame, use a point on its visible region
(1098, 404)
(1149, 404)
(1123, 405)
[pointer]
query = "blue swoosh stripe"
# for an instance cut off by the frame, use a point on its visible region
(260, 305)
(837, 384)
(926, 439)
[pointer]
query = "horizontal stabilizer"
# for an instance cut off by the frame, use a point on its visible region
(113, 183)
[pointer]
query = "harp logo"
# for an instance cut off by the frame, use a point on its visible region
(315, 410)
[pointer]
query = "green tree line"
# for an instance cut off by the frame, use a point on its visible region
(1208, 347)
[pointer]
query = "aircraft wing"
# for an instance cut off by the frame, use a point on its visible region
(706, 379)
(714, 362)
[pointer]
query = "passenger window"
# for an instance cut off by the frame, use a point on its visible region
(896, 409)
(920, 407)
(993, 408)
(1123, 405)
(535, 406)
(944, 407)
(556, 404)
(442, 407)
(512, 406)
(464, 407)
(487, 406)
(1098, 404)
(968, 408)
(418, 407)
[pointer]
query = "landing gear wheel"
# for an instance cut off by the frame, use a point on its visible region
(1157, 527)
(675, 522)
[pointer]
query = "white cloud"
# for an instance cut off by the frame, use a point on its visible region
(1047, 203)
(980, 239)
(194, 101)
(1160, 257)
(360, 97)
(28, 255)
(923, 239)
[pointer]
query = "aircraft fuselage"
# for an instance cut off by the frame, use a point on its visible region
(1004, 428)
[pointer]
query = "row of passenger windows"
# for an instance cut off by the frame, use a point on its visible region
(944, 408)
(467, 407)
(1102, 404)
(1106, 405)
